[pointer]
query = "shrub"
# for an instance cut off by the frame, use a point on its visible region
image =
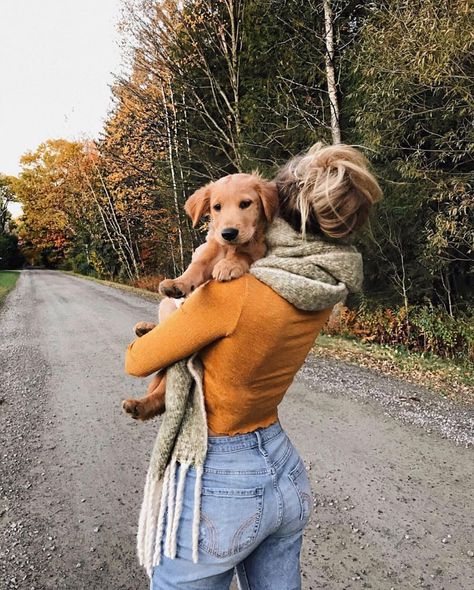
(420, 329)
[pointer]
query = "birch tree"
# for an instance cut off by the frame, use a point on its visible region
(198, 48)
(330, 72)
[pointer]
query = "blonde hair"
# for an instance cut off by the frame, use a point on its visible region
(328, 188)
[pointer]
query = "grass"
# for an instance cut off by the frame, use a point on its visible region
(453, 380)
(8, 279)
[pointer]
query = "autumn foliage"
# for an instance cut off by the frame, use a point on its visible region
(218, 87)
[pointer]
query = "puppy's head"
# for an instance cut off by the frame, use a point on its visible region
(238, 204)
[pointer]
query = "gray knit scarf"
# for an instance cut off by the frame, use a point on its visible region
(312, 274)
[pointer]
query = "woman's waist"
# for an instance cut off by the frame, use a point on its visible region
(261, 452)
(247, 440)
(222, 423)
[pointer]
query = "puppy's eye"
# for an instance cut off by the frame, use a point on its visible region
(245, 204)
(217, 207)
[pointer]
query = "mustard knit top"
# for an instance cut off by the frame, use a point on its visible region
(251, 343)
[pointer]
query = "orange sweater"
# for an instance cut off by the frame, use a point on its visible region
(252, 343)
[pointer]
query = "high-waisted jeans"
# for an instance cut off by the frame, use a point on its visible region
(256, 500)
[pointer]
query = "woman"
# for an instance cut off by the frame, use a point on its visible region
(252, 335)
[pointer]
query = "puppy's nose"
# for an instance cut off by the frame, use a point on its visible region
(229, 233)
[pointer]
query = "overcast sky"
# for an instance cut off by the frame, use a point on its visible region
(56, 64)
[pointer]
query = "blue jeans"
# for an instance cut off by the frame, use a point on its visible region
(256, 501)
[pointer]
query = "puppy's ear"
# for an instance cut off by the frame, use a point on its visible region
(268, 193)
(199, 204)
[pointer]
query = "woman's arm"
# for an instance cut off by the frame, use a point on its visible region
(210, 313)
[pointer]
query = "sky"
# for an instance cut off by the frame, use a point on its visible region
(56, 63)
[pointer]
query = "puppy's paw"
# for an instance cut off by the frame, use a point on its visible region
(173, 288)
(139, 410)
(226, 270)
(143, 328)
(132, 407)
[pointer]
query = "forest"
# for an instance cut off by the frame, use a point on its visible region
(218, 86)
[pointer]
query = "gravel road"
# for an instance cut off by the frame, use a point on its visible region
(390, 463)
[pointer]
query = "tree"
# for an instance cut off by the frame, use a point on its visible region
(139, 153)
(7, 196)
(10, 255)
(67, 206)
(412, 104)
(331, 72)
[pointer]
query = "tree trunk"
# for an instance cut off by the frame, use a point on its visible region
(173, 177)
(333, 104)
(330, 71)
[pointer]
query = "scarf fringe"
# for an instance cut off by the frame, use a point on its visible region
(171, 506)
(197, 512)
(158, 496)
(161, 520)
(178, 506)
(163, 497)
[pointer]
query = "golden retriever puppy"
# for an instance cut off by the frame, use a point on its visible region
(240, 207)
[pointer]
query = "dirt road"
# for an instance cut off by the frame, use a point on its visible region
(393, 501)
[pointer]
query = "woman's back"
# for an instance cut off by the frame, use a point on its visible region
(247, 373)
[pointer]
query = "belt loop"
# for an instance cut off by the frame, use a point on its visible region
(261, 448)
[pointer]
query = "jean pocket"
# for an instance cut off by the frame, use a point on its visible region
(300, 480)
(230, 519)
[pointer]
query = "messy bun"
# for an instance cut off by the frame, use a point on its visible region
(328, 189)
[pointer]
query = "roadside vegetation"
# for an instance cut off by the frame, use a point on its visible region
(8, 281)
(424, 329)
(421, 344)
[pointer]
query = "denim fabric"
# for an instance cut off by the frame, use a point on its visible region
(256, 501)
